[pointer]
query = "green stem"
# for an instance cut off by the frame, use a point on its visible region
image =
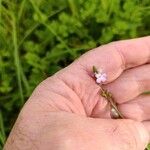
(21, 9)
(25, 81)
(2, 130)
(110, 99)
(72, 5)
(16, 58)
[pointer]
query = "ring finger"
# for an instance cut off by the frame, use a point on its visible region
(137, 109)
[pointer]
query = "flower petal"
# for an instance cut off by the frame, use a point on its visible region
(98, 80)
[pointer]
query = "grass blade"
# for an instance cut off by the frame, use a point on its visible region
(2, 130)
(16, 58)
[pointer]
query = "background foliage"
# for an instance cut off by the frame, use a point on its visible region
(39, 37)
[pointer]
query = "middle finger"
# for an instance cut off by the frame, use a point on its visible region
(130, 84)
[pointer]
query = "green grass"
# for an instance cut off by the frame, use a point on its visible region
(38, 38)
(148, 147)
(2, 131)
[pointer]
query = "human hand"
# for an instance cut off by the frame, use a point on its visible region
(67, 112)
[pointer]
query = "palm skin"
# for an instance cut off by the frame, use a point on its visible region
(66, 111)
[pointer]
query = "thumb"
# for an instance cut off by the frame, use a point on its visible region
(122, 134)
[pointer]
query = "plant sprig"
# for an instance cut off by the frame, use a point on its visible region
(108, 95)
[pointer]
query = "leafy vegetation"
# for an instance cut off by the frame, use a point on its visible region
(148, 147)
(39, 37)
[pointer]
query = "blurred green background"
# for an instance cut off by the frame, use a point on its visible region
(39, 37)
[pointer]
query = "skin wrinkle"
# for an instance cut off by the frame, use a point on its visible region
(12, 140)
(26, 137)
(139, 87)
(31, 129)
(135, 144)
(69, 109)
(146, 43)
(122, 50)
(68, 104)
(82, 96)
(138, 110)
(22, 137)
(69, 99)
(122, 131)
(66, 101)
(115, 129)
(129, 129)
(123, 64)
(37, 96)
(90, 76)
(94, 108)
(144, 114)
(92, 98)
(114, 72)
(92, 101)
(88, 99)
(44, 98)
(62, 80)
(135, 46)
(84, 68)
(30, 134)
(53, 106)
(141, 83)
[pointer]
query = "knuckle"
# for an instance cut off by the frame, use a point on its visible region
(125, 135)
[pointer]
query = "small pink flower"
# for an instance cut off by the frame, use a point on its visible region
(100, 77)
(98, 80)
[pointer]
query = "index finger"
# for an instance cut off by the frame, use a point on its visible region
(116, 57)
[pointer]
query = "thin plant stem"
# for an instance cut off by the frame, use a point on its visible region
(16, 58)
(2, 130)
(21, 9)
(25, 81)
(72, 5)
(110, 99)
